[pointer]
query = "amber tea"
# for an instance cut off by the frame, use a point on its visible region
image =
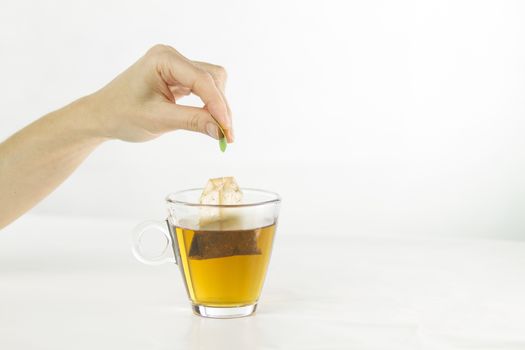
(224, 268)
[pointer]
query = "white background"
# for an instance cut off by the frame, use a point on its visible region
(369, 117)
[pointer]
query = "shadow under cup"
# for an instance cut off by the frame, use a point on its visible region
(222, 251)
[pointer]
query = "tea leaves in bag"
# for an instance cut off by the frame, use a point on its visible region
(220, 231)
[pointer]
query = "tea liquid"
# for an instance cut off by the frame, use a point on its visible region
(224, 268)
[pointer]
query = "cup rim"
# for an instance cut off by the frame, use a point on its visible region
(171, 200)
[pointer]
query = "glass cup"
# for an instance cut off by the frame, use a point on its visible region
(222, 251)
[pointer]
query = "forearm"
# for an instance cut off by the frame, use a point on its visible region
(37, 159)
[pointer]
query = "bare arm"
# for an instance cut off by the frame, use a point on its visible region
(139, 105)
(40, 157)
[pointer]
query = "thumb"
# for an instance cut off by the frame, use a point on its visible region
(197, 119)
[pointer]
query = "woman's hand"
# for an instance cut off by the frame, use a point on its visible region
(139, 105)
(142, 103)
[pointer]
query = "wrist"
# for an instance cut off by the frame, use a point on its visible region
(84, 120)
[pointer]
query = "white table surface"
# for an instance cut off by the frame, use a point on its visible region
(73, 284)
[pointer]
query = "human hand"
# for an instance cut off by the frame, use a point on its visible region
(138, 105)
(142, 102)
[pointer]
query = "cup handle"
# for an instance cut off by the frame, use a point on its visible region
(138, 233)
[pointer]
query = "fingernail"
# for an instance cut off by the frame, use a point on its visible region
(212, 130)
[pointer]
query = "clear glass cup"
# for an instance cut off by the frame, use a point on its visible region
(223, 251)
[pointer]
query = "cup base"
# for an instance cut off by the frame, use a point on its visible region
(224, 312)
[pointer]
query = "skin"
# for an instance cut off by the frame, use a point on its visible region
(138, 105)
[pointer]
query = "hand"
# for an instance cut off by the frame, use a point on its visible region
(139, 105)
(142, 103)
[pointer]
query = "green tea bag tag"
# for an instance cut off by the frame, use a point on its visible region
(222, 144)
(222, 141)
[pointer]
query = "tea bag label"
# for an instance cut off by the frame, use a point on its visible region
(223, 144)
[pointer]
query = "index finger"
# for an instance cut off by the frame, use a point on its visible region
(219, 76)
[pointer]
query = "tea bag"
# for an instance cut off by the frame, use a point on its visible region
(219, 191)
(220, 234)
(221, 244)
